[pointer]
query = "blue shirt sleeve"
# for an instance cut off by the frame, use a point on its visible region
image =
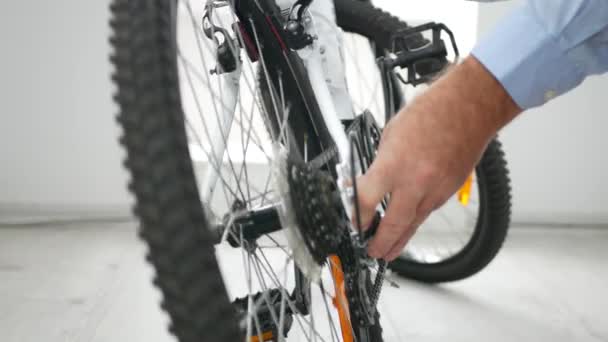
(546, 47)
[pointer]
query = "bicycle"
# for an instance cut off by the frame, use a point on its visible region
(274, 71)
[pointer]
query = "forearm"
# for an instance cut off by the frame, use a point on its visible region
(467, 102)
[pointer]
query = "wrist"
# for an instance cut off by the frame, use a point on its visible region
(467, 101)
(486, 94)
(464, 110)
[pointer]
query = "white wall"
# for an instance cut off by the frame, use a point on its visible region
(58, 150)
(557, 153)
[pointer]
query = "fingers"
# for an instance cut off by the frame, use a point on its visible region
(400, 245)
(424, 209)
(399, 217)
(405, 238)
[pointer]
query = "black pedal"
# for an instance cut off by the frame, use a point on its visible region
(424, 59)
(267, 306)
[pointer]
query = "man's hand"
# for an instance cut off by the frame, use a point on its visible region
(427, 151)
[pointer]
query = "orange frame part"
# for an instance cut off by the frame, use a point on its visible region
(340, 301)
(267, 336)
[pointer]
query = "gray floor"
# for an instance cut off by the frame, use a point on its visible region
(89, 283)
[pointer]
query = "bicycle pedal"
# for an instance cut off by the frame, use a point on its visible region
(267, 304)
(423, 59)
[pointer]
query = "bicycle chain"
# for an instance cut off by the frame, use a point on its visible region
(378, 282)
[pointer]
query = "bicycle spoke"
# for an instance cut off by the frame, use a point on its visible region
(250, 304)
(312, 326)
(283, 302)
(264, 292)
(236, 53)
(291, 304)
(259, 196)
(279, 246)
(222, 131)
(266, 187)
(270, 85)
(240, 104)
(213, 161)
(436, 246)
(245, 147)
(432, 245)
(207, 132)
(267, 78)
(285, 110)
(205, 80)
(255, 138)
(288, 300)
(334, 335)
(450, 223)
(214, 165)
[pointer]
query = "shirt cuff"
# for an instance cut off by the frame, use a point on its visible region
(526, 60)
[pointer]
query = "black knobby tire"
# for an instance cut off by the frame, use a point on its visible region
(492, 174)
(168, 206)
(366, 20)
